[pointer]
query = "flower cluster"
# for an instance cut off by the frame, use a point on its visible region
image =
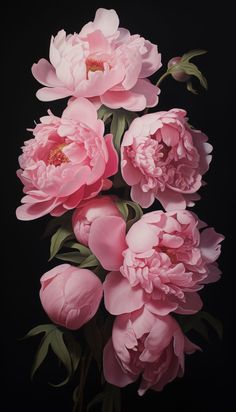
(80, 169)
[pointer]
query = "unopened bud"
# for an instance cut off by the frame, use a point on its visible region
(178, 74)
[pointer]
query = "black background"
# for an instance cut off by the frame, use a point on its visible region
(176, 28)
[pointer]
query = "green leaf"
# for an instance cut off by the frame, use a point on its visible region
(55, 222)
(192, 53)
(46, 328)
(61, 351)
(90, 261)
(191, 69)
(74, 349)
(131, 211)
(85, 251)
(118, 127)
(190, 88)
(137, 213)
(73, 257)
(67, 351)
(123, 208)
(42, 351)
(104, 113)
(111, 401)
(129, 117)
(93, 337)
(214, 322)
(62, 234)
(98, 398)
(198, 322)
(40, 355)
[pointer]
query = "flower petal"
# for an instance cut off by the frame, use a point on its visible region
(119, 296)
(107, 241)
(113, 373)
(45, 73)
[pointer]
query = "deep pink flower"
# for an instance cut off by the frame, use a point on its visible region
(70, 295)
(88, 211)
(102, 62)
(68, 161)
(163, 158)
(145, 345)
(161, 263)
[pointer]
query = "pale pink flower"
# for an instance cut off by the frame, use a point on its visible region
(88, 211)
(103, 62)
(162, 262)
(147, 346)
(68, 161)
(70, 296)
(163, 158)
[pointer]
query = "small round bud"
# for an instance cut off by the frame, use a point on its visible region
(178, 75)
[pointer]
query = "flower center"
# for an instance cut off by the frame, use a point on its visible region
(94, 65)
(56, 157)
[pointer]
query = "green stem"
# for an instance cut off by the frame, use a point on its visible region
(84, 367)
(163, 77)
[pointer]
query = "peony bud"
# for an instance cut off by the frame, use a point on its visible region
(90, 210)
(70, 295)
(178, 75)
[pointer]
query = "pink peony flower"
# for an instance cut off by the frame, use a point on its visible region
(162, 262)
(70, 296)
(162, 158)
(145, 345)
(102, 62)
(68, 161)
(88, 211)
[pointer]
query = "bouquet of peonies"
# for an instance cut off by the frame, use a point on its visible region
(96, 170)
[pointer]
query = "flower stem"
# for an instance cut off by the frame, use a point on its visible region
(163, 77)
(79, 397)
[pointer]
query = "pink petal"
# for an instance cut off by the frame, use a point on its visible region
(47, 94)
(126, 99)
(170, 135)
(98, 43)
(193, 303)
(213, 275)
(161, 308)
(73, 200)
(171, 200)
(119, 296)
(74, 181)
(112, 164)
(107, 241)
(190, 347)
(45, 73)
(143, 323)
(145, 199)
(131, 175)
(81, 110)
(204, 149)
(209, 244)
(33, 211)
(132, 70)
(48, 276)
(159, 336)
(105, 20)
(99, 82)
(142, 237)
(145, 88)
(151, 60)
(113, 373)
